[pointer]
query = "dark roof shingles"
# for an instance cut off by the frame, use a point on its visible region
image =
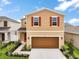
(4, 28)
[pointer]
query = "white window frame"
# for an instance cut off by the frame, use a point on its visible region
(33, 21)
(54, 21)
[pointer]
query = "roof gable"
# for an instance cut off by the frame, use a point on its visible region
(8, 19)
(42, 10)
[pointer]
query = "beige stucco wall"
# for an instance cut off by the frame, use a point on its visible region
(21, 34)
(72, 37)
(45, 34)
(45, 21)
(45, 30)
(68, 36)
(23, 23)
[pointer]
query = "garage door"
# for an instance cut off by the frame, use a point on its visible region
(45, 42)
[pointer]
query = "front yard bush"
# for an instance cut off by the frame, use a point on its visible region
(76, 53)
(9, 53)
(70, 51)
(26, 49)
(8, 48)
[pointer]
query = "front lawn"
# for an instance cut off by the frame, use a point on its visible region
(4, 50)
(70, 51)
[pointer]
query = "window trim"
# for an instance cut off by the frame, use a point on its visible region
(56, 21)
(38, 21)
(5, 23)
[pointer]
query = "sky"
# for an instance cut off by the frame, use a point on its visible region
(16, 9)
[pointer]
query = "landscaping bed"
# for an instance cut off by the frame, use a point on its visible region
(25, 48)
(6, 51)
(70, 51)
(9, 53)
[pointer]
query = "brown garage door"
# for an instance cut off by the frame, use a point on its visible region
(45, 42)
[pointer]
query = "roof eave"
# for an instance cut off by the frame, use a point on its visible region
(43, 9)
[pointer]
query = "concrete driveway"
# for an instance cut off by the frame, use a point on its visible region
(46, 54)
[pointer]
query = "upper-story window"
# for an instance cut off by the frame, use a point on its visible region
(36, 21)
(5, 23)
(54, 21)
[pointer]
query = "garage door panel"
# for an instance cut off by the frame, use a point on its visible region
(45, 42)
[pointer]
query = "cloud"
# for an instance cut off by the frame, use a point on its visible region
(77, 5)
(14, 9)
(3, 3)
(65, 5)
(6, 2)
(73, 21)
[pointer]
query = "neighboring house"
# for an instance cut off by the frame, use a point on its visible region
(43, 28)
(8, 29)
(72, 34)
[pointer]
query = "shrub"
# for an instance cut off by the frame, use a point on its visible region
(71, 57)
(10, 49)
(70, 51)
(76, 53)
(20, 55)
(25, 48)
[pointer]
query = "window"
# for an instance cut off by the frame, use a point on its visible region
(36, 21)
(5, 23)
(54, 21)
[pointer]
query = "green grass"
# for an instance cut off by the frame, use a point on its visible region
(1, 44)
(3, 56)
(6, 49)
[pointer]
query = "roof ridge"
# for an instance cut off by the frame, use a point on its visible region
(7, 18)
(40, 9)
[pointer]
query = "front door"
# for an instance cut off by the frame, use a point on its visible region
(24, 37)
(3, 36)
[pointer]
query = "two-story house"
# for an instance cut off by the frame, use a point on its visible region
(8, 29)
(43, 28)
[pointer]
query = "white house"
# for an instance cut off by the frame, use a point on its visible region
(8, 29)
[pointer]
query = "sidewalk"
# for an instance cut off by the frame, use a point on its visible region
(18, 50)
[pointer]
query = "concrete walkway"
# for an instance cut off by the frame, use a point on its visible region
(46, 54)
(18, 50)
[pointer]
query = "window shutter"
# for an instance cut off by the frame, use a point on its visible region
(32, 21)
(58, 21)
(50, 21)
(39, 21)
